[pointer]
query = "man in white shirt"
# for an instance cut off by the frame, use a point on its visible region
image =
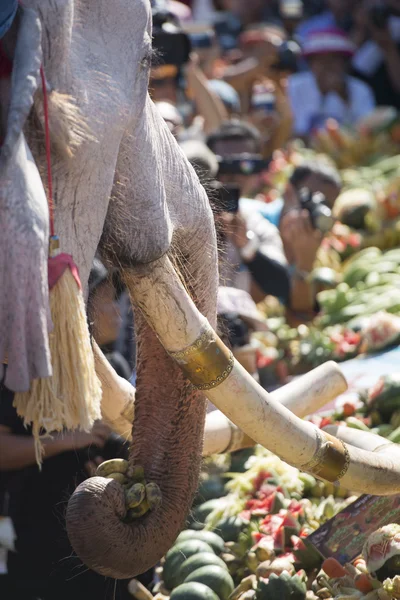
(327, 91)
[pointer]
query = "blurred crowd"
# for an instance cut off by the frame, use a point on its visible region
(236, 81)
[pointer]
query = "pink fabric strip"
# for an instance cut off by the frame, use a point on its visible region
(56, 267)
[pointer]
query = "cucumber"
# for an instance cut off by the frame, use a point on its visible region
(394, 436)
(216, 578)
(193, 591)
(356, 424)
(175, 558)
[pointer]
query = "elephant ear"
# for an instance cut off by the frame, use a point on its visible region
(24, 308)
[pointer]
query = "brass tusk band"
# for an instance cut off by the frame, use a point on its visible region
(207, 362)
(331, 460)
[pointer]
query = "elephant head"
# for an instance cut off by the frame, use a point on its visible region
(128, 187)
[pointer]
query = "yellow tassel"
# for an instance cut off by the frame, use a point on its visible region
(71, 398)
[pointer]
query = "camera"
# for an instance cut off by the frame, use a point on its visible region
(241, 164)
(289, 54)
(320, 214)
(171, 44)
(379, 15)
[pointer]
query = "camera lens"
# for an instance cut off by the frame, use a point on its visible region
(323, 219)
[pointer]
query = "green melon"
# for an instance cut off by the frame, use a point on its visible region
(211, 538)
(229, 528)
(216, 578)
(175, 558)
(193, 591)
(197, 561)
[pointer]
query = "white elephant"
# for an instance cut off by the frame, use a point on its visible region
(128, 187)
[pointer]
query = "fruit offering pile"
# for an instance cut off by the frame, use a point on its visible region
(247, 534)
(251, 543)
(359, 313)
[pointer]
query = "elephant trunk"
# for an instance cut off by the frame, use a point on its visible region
(167, 442)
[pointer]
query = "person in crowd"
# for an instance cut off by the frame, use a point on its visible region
(163, 85)
(377, 59)
(291, 13)
(271, 113)
(318, 177)
(171, 116)
(300, 239)
(8, 11)
(44, 566)
(105, 316)
(202, 159)
(208, 104)
(259, 52)
(208, 51)
(338, 14)
(327, 90)
(228, 96)
(236, 137)
(254, 260)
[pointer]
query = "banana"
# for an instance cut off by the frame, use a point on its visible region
(135, 495)
(120, 477)
(116, 465)
(153, 495)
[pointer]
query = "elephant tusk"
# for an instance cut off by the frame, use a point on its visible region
(364, 440)
(302, 397)
(118, 396)
(189, 338)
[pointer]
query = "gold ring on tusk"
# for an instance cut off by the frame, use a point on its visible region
(207, 362)
(331, 460)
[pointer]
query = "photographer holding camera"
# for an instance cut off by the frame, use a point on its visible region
(254, 260)
(377, 60)
(303, 217)
(327, 90)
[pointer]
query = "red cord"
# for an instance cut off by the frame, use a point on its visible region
(48, 152)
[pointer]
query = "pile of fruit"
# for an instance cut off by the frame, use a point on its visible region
(360, 312)
(247, 534)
